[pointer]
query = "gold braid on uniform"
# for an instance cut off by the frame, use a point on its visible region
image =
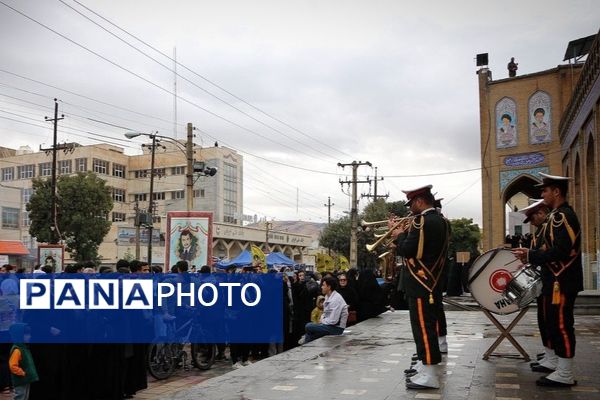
(555, 224)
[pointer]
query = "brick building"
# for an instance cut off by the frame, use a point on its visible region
(545, 121)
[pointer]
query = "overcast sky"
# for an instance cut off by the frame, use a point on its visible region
(390, 82)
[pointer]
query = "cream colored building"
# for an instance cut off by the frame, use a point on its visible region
(129, 178)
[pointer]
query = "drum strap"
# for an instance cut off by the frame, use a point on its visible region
(480, 270)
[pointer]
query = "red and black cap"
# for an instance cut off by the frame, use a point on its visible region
(412, 194)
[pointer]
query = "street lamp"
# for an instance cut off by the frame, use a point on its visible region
(192, 167)
(150, 226)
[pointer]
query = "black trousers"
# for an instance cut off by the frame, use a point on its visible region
(424, 322)
(441, 326)
(559, 324)
(543, 302)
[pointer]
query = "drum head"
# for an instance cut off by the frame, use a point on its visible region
(488, 276)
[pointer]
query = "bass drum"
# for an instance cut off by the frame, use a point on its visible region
(489, 276)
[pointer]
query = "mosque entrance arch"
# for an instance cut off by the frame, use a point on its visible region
(516, 196)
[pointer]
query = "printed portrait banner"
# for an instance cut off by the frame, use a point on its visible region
(506, 123)
(189, 238)
(144, 308)
(52, 255)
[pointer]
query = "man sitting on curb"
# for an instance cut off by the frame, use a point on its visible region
(335, 314)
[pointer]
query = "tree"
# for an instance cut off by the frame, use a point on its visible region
(465, 237)
(83, 203)
(336, 236)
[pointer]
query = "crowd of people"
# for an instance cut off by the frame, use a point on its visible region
(518, 240)
(115, 371)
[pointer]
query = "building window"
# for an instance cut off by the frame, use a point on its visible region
(118, 217)
(46, 169)
(26, 171)
(64, 167)
(140, 197)
(198, 192)
(10, 217)
(119, 195)
(160, 172)
(8, 173)
(180, 194)
(100, 166)
(178, 171)
(26, 220)
(27, 241)
(141, 173)
(156, 219)
(27, 193)
(229, 193)
(81, 164)
(158, 196)
(118, 170)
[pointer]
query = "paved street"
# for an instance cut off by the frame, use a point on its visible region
(368, 363)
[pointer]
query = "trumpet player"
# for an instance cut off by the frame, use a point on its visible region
(423, 242)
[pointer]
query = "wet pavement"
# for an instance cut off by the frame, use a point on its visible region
(367, 362)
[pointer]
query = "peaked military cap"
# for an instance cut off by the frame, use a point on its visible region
(411, 194)
(532, 209)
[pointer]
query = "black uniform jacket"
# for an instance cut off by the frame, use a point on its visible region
(424, 247)
(559, 253)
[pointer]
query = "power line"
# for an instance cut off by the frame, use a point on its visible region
(204, 78)
(209, 135)
(199, 130)
(193, 83)
(151, 82)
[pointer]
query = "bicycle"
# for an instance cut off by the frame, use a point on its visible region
(164, 358)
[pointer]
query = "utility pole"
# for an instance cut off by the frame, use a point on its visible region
(137, 230)
(189, 172)
(268, 225)
(151, 201)
(374, 195)
(53, 230)
(329, 205)
(354, 207)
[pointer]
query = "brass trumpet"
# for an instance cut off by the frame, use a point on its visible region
(382, 238)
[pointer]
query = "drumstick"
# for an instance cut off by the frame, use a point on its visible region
(510, 262)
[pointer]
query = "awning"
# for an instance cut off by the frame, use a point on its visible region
(13, 248)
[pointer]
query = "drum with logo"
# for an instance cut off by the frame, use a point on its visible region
(489, 276)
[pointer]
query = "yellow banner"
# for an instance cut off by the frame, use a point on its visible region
(258, 257)
(342, 263)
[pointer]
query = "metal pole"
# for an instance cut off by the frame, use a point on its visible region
(137, 230)
(151, 201)
(53, 198)
(190, 167)
(354, 218)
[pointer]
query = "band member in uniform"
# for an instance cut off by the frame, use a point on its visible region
(536, 214)
(423, 242)
(562, 275)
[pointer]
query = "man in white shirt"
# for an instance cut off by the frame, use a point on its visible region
(335, 313)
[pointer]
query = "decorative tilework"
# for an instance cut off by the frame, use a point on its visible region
(506, 177)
